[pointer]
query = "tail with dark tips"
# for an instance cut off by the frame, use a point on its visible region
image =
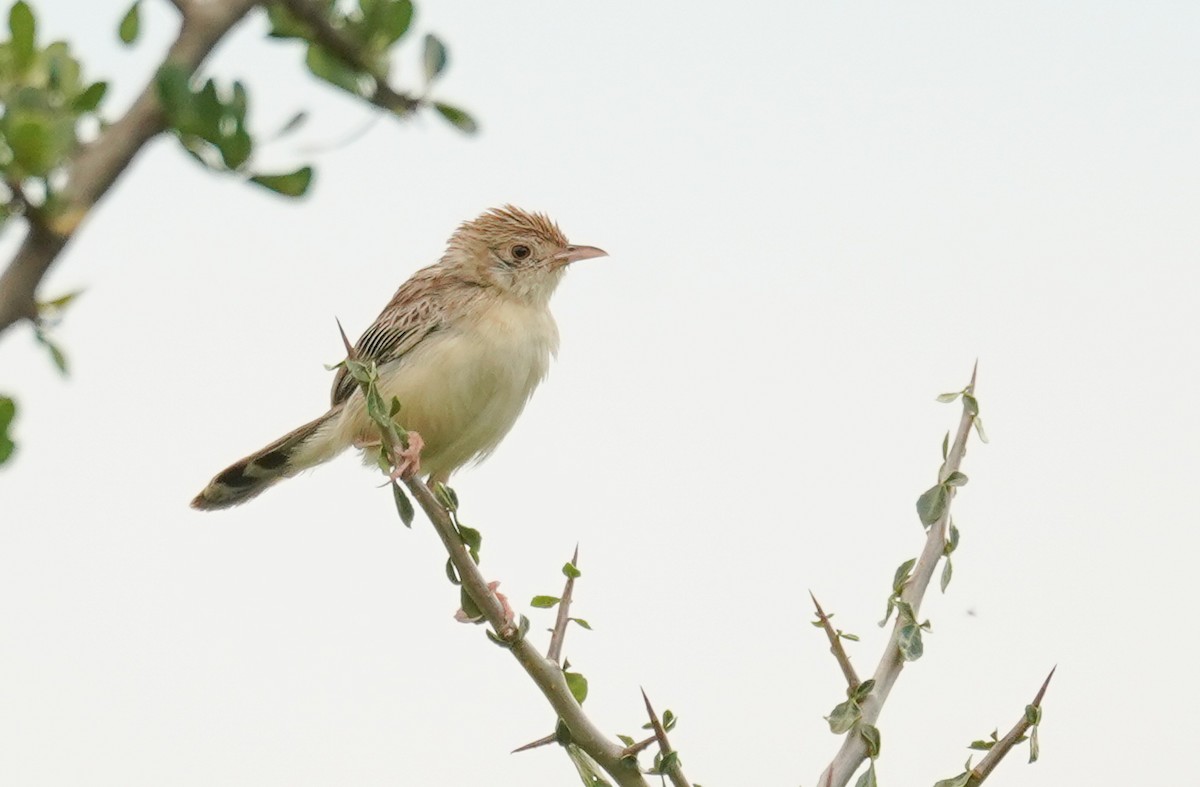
(248, 477)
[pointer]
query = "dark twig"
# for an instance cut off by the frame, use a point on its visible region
(554, 653)
(97, 166)
(835, 646)
(675, 771)
(1005, 744)
(343, 48)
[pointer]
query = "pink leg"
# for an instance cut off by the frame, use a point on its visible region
(408, 460)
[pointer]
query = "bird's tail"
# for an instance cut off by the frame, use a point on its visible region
(248, 477)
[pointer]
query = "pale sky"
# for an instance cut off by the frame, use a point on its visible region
(818, 215)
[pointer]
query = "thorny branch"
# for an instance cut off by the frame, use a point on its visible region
(670, 765)
(854, 749)
(1005, 744)
(835, 646)
(554, 653)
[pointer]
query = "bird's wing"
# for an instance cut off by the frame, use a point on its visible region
(415, 311)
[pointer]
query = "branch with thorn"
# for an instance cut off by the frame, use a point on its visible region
(1017, 734)
(835, 646)
(854, 749)
(668, 759)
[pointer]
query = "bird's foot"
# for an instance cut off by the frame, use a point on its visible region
(407, 462)
(510, 616)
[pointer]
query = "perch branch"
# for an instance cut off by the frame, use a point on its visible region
(835, 646)
(1005, 744)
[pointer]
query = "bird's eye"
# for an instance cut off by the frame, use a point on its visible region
(520, 252)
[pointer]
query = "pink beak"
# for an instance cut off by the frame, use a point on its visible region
(575, 253)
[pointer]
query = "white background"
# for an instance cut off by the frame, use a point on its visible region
(819, 215)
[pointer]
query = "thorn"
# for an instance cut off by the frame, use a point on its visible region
(350, 355)
(974, 372)
(535, 744)
(1037, 701)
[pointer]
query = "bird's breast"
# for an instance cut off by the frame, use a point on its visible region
(464, 385)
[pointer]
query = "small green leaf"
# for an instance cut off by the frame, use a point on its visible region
(952, 541)
(582, 623)
(956, 479)
(544, 602)
(329, 68)
(434, 57)
(868, 777)
(24, 34)
(457, 117)
(945, 446)
(955, 781)
(471, 537)
(1033, 714)
(870, 735)
(983, 438)
(578, 686)
(569, 570)
(667, 762)
(447, 497)
(669, 720)
(562, 733)
(452, 572)
(949, 397)
(891, 605)
(8, 411)
(911, 647)
(900, 579)
(847, 635)
(971, 404)
(291, 184)
(469, 606)
(1035, 748)
(932, 504)
(90, 99)
(947, 572)
(404, 506)
(982, 745)
(844, 717)
(625, 739)
(862, 690)
(394, 20)
(130, 24)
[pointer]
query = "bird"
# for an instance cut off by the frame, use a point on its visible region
(461, 346)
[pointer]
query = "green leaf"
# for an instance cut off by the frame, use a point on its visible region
(569, 570)
(956, 479)
(394, 20)
(945, 445)
(955, 781)
(1033, 714)
(952, 541)
(625, 739)
(971, 404)
(434, 57)
(868, 777)
(24, 34)
(667, 762)
(404, 506)
(130, 24)
(669, 720)
(582, 623)
(903, 571)
(457, 117)
(844, 717)
(911, 646)
(471, 537)
(327, 67)
(847, 635)
(8, 411)
(870, 735)
(283, 24)
(544, 602)
(1035, 748)
(949, 397)
(89, 99)
(982, 745)
(452, 572)
(578, 686)
(469, 606)
(863, 689)
(983, 438)
(947, 572)
(447, 497)
(932, 504)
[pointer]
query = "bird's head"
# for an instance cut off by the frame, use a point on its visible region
(522, 253)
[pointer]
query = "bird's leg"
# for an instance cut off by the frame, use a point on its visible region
(407, 461)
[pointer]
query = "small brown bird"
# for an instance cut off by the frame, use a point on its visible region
(461, 345)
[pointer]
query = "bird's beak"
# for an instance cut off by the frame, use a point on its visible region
(575, 253)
